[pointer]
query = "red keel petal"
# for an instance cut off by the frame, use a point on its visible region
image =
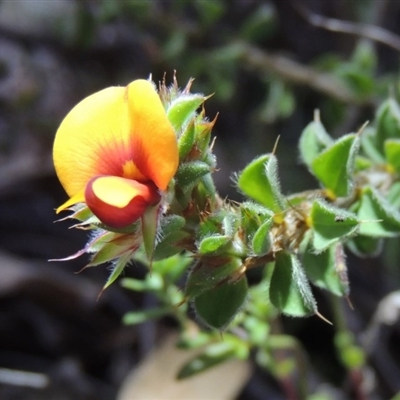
(119, 202)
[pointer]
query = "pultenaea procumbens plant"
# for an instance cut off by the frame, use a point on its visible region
(130, 154)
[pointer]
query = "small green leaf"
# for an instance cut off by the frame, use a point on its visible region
(172, 268)
(334, 166)
(330, 224)
(213, 355)
(212, 244)
(378, 218)
(256, 211)
(170, 234)
(362, 163)
(370, 146)
(393, 196)
(327, 269)
(170, 245)
(259, 181)
(365, 246)
(152, 282)
(218, 306)
(210, 272)
(186, 140)
(364, 56)
(138, 317)
(351, 355)
(313, 140)
(183, 108)
(289, 290)
(171, 223)
(189, 173)
(211, 226)
(188, 340)
(149, 229)
(392, 153)
(260, 24)
(387, 123)
(207, 187)
(280, 102)
(203, 134)
(209, 12)
(359, 82)
(252, 216)
(118, 267)
(262, 242)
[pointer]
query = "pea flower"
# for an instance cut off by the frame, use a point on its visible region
(117, 152)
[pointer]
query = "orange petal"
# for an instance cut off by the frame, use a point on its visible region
(154, 139)
(94, 139)
(119, 202)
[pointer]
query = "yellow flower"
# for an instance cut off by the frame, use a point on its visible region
(116, 151)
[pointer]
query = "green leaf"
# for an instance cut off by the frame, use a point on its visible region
(313, 140)
(189, 173)
(210, 272)
(289, 290)
(259, 181)
(212, 244)
(280, 102)
(218, 306)
(252, 216)
(330, 224)
(256, 211)
(183, 109)
(387, 123)
(392, 153)
(334, 166)
(149, 229)
(327, 269)
(213, 355)
(211, 226)
(230, 223)
(174, 267)
(362, 163)
(361, 83)
(351, 355)
(364, 56)
(210, 12)
(262, 242)
(189, 341)
(393, 196)
(152, 282)
(138, 317)
(378, 218)
(170, 234)
(370, 146)
(365, 246)
(186, 140)
(207, 188)
(260, 24)
(170, 245)
(118, 267)
(203, 134)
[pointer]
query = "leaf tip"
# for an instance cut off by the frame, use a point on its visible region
(319, 315)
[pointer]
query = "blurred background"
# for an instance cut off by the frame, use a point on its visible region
(269, 64)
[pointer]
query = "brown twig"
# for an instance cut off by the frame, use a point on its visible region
(372, 32)
(294, 72)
